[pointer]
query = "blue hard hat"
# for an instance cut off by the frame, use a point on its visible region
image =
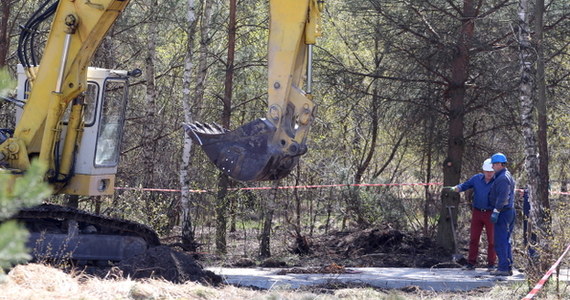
(498, 158)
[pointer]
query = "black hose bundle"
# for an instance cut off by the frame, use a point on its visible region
(26, 41)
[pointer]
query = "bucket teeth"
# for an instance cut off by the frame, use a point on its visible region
(198, 130)
(219, 128)
(205, 128)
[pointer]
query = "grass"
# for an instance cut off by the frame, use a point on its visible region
(36, 281)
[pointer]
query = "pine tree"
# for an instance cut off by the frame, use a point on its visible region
(16, 193)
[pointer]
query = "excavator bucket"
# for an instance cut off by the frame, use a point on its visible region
(248, 153)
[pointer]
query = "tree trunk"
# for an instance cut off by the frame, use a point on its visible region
(221, 201)
(428, 148)
(150, 105)
(148, 131)
(98, 202)
(233, 214)
(563, 185)
(265, 244)
(455, 94)
(228, 82)
(4, 31)
(188, 241)
(105, 56)
(221, 218)
(72, 201)
(356, 206)
(544, 158)
(202, 73)
(301, 245)
(538, 225)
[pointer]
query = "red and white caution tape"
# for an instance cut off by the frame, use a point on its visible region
(544, 278)
(307, 187)
(521, 191)
(287, 187)
(156, 190)
(560, 193)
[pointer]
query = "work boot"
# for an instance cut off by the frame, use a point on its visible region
(502, 273)
(469, 267)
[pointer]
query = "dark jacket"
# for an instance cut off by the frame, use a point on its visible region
(502, 193)
(480, 190)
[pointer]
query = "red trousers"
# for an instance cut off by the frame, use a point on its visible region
(480, 219)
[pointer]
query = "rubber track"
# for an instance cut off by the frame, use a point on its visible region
(125, 227)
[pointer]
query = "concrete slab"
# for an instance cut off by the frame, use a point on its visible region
(388, 278)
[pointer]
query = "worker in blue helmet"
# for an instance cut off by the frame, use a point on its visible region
(502, 198)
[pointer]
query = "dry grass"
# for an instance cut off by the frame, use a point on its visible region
(36, 281)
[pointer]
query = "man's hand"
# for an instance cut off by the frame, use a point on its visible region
(495, 216)
(452, 188)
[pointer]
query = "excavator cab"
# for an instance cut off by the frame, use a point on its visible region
(96, 154)
(269, 148)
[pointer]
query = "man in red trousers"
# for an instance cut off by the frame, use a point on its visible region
(481, 217)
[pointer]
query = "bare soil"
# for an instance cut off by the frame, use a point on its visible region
(371, 247)
(383, 247)
(160, 262)
(169, 264)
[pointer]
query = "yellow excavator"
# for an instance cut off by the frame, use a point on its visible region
(70, 116)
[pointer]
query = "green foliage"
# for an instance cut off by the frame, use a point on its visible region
(16, 193)
(144, 207)
(12, 240)
(7, 83)
(24, 191)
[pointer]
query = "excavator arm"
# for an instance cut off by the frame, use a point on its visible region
(269, 148)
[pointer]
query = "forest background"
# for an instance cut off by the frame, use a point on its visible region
(407, 92)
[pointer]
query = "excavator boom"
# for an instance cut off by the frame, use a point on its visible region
(269, 148)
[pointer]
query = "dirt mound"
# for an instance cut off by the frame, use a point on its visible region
(380, 246)
(164, 262)
(371, 241)
(384, 247)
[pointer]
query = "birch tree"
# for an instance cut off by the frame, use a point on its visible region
(188, 241)
(148, 127)
(202, 74)
(538, 224)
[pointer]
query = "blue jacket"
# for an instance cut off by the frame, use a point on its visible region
(480, 190)
(502, 194)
